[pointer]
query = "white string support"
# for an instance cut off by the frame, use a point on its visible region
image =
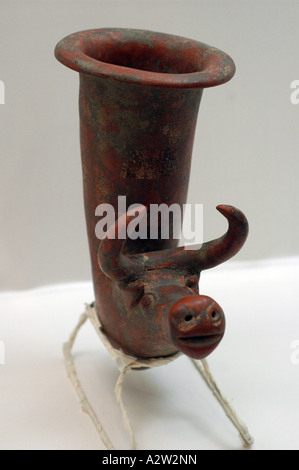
(72, 374)
(126, 363)
(204, 370)
(126, 421)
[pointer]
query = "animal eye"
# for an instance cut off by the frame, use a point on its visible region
(192, 282)
(138, 297)
(147, 300)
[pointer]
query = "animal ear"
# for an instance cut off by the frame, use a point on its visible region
(192, 283)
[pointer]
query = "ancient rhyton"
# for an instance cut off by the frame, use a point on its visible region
(139, 97)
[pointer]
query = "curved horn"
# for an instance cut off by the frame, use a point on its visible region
(111, 259)
(220, 250)
(211, 253)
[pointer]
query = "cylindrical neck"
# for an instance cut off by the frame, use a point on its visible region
(136, 141)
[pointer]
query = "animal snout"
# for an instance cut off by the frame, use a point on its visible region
(197, 325)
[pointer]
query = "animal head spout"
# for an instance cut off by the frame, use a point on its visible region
(197, 325)
(159, 289)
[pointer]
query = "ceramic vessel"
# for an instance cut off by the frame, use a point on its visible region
(140, 93)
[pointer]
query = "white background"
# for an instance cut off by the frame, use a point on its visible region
(247, 139)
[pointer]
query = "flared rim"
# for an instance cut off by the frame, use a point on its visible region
(189, 63)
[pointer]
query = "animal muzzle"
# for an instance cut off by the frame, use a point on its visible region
(197, 325)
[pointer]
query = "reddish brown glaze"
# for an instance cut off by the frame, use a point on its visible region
(197, 325)
(157, 292)
(145, 58)
(139, 97)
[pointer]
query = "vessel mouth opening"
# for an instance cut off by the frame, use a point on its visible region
(145, 58)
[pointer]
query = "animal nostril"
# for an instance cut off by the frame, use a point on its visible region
(216, 315)
(188, 318)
